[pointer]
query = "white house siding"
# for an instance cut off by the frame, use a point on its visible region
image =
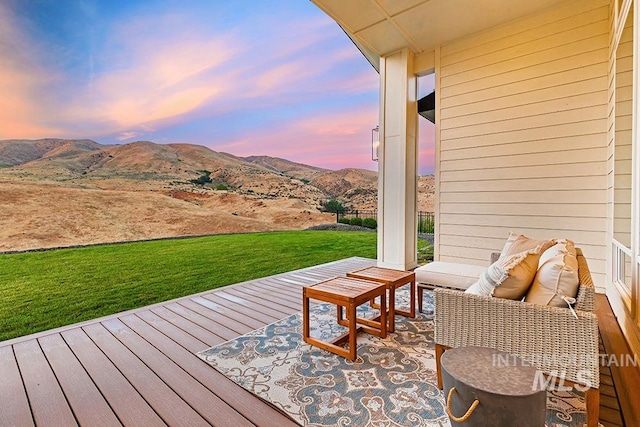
(523, 111)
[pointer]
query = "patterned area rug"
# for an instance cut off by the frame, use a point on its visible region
(391, 383)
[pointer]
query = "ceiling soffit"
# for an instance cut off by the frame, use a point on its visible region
(385, 26)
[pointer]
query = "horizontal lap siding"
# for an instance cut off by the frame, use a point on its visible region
(523, 135)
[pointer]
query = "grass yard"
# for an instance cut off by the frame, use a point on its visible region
(44, 290)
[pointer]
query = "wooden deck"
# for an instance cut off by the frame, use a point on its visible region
(619, 383)
(139, 367)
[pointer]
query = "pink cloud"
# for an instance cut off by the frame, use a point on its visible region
(426, 147)
(359, 83)
(150, 78)
(127, 135)
(335, 140)
(161, 80)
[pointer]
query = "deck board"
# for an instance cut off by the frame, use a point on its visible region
(128, 405)
(201, 399)
(218, 329)
(253, 304)
(625, 378)
(228, 313)
(181, 337)
(140, 367)
(171, 408)
(85, 399)
(252, 314)
(244, 402)
(277, 307)
(48, 403)
(197, 331)
(275, 286)
(278, 286)
(237, 327)
(14, 406)
(281, 300)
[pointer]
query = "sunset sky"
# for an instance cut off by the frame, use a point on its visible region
(269, 77)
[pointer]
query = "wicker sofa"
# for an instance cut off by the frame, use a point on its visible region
(553, 339)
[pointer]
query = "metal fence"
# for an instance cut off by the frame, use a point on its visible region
(358, 213)
(425, 219)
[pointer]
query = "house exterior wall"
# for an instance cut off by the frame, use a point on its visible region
(522, 143)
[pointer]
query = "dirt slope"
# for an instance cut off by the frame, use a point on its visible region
(46, 215)
(56, 192)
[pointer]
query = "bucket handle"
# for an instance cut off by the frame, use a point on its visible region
(466, 416)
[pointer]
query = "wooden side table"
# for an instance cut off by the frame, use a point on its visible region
(392, 279)
(349, 294)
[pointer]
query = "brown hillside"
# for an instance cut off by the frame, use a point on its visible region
(46, 215)
(65, 192)
(17, 152)
(293, 169)
(426, 193)
(337, 183)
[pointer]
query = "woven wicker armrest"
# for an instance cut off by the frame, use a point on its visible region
(550, 338)
(585, 299)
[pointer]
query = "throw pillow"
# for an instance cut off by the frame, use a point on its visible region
(556, 283)
(511, 275)
(517, 243)
(497, 273)
(521, 275)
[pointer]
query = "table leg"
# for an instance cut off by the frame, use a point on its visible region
(383, 314)
(412, 304)
(392, 307)
(353, 333)
(305, 315)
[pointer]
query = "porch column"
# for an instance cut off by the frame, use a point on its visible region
(398, 162)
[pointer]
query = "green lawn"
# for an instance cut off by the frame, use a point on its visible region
(44, 290)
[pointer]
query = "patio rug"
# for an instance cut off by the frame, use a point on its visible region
(391, 383)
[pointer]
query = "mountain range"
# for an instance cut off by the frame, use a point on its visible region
(68, 191)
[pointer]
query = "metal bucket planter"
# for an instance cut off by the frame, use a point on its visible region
(486, 387)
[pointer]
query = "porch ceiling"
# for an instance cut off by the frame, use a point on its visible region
(385, 26)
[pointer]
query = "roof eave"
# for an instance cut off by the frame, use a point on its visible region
(372, 57)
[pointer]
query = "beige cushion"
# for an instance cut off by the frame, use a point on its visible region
(517, 243)
(448, 274)
(557, 276)
(512, 274)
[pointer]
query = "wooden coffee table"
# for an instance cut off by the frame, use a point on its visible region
(349, 294)
(392, 279)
